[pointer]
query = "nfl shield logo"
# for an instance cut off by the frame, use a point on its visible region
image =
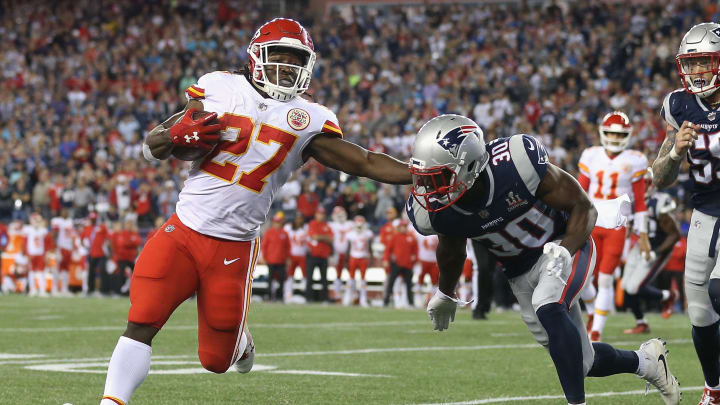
(169, 228)
(711, 116)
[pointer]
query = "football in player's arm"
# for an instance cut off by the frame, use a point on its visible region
(328, 149)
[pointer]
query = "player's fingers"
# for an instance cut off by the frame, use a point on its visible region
(685, 124)
(207, 118)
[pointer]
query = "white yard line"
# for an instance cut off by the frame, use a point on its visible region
(17, 359)
(541, 397)
(325, 325)
(330, 373)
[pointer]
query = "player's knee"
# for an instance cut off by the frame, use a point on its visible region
(605, 280)
(630, 287)
(700, 307)
(714, 291)
(214, 361)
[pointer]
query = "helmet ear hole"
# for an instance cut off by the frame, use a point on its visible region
(471, 165)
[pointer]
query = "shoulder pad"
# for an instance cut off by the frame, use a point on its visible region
(530, 159)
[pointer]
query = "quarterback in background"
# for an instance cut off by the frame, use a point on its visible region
(693, 122)
(607, 172)
(536, 220)
(255, 130)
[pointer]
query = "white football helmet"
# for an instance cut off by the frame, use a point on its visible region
(339, 214)
(618, 124)
(698, 59)
(448, 156)
(281, 33)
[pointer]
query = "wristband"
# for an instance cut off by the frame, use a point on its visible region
(674, 155)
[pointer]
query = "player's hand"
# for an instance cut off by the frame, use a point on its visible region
(560, 259)
(685, 137)
(644, 246)
(196, 133)
(441, 309)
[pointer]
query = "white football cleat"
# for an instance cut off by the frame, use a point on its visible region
(245, 363)
(658, 371)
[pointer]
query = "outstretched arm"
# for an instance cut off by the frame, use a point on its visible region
(352, 159)
(676, 144)
(561, 191)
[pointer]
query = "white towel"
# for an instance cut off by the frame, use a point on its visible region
(613, 213)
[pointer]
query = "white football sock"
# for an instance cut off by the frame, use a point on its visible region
(588, 295)
(666, 295)
(604, 301)
(363, 293)
(64, 281)
(337, 286)
(642, 363)
(129, 365)
(288, 289)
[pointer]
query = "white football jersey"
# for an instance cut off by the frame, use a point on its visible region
(298, 240)
(340, 231)
(228, 193)
(65, 230)
(359, 240)
(35, 240)
(611, 178)
(427, 245)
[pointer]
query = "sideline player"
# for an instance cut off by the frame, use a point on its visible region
(210, 245)
(298, 233)
(607, 172)
(536, 219)
(639, 271)
(359, 238)
(340, 227)
(693, 122)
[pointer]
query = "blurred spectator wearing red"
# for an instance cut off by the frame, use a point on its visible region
(321, 238)
(94, 236)
(275, 247)
(402, 256)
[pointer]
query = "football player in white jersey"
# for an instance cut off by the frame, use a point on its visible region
(298, 233)
(37, 244)
(359, 240)
(340, 227)
(210, 245)
(607, 172)
(63, 231)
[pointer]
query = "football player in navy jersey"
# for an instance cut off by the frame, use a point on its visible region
(693, 134)
(536, 220)
(663, 233)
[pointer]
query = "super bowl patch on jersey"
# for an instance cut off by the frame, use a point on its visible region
(298, 119)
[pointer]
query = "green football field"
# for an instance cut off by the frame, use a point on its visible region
(55, 351)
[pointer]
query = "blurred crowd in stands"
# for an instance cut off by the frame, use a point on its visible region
(82, 82)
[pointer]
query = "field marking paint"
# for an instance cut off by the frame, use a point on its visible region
(541, 397)
(19, 359)
(100, 367)
(20, 356)
(330, 373)
(328, 325)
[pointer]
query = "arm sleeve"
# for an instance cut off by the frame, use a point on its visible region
(530, 159)
(668, 110)
(639, 196)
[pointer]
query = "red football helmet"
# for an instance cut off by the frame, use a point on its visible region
(281, 33)
(618, 124)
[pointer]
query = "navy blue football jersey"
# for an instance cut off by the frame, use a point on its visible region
(512, 223)
(658, 204)
(704, 155)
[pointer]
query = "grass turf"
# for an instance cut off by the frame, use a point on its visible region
(403, 361)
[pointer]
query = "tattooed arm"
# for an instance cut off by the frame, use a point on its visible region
(673, 150)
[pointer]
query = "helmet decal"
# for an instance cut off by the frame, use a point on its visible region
(452, 139)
